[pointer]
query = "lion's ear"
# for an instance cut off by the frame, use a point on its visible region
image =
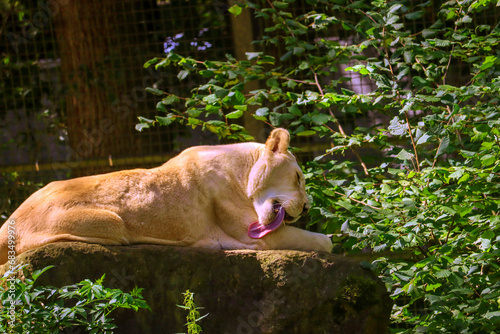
(278, 141)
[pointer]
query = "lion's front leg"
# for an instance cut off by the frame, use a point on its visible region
(289, 237)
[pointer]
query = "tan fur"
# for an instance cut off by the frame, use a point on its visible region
(205, 197)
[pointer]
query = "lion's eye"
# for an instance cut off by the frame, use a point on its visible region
(298, 178)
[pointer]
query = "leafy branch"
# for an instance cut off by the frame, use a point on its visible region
(426, 136)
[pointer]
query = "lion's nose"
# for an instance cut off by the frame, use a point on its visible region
(306, 208)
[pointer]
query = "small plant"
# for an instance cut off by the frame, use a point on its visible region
(27, 308)
(193, 316)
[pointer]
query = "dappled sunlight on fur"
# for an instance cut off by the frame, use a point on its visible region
(207, 196)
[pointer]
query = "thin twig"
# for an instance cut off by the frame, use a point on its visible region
(449, 231)
(341, 130)
(357, 201)
(386, 50)
(451, 54)
(423, 251)
(286, 25)
(299, 81)
(353, 150)
(366, 14)
(317, 82)
(318, 85)
(412, 141)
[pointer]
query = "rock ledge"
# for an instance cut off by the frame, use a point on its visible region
(243, 291)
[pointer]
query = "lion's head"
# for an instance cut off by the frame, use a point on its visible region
(276, 180)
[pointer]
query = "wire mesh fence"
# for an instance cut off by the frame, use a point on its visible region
(73, 82)
(73, 85)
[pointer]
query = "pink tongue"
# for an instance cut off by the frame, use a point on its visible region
(257, 230)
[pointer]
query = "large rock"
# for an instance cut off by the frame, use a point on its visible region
(243, 291)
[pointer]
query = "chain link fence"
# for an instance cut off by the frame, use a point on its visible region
(73, 83)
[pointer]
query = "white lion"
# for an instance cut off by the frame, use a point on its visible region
(239, 196)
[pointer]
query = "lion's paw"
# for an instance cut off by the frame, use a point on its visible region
(324, 243)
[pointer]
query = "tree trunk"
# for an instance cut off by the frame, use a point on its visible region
(89, 53)
(242, 29)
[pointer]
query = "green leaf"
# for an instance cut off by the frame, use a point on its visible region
(262, 111)
(489, 315)
(238, 96)
(207, 73)
(294, 110)
(444, 273)
(150, 62)
(443, 145)
(235, 114)
(428, 33)
(266, 59)
(160, 106)
(286, 55)
(394, 8)
(306, 133)
(194, 121)
(39, 272)
(272, 82)
(488, 160)
(408, 56)
(423, 139)
(275, 118)
(464, 178)
(457, 174)
(241, 107)
(405, 155)
(320, 119)
(304, 65)
(145, 120)
(154, 91)
(298, 50)
(446, 209)
(171, 99)
(396, 127)
(385, 189)
(489, 61)
(235, 10)
(182, 74)
(253, 55)
(141, 126)
(280, 4)
(419, 82)
(194, 112)
(164, 120)
(488, 235)
(442, 42)
(415, 15)
(432, 287)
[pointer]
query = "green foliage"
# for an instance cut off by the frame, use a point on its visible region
(43, 309)
(193, 316)
(17, 188)
(418, 174)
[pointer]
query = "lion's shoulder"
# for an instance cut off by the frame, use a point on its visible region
(244, 148)
(214, 153)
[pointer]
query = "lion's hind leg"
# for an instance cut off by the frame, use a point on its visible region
(92, 224)
(41, 240)
(4, 243)
(97, 226)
